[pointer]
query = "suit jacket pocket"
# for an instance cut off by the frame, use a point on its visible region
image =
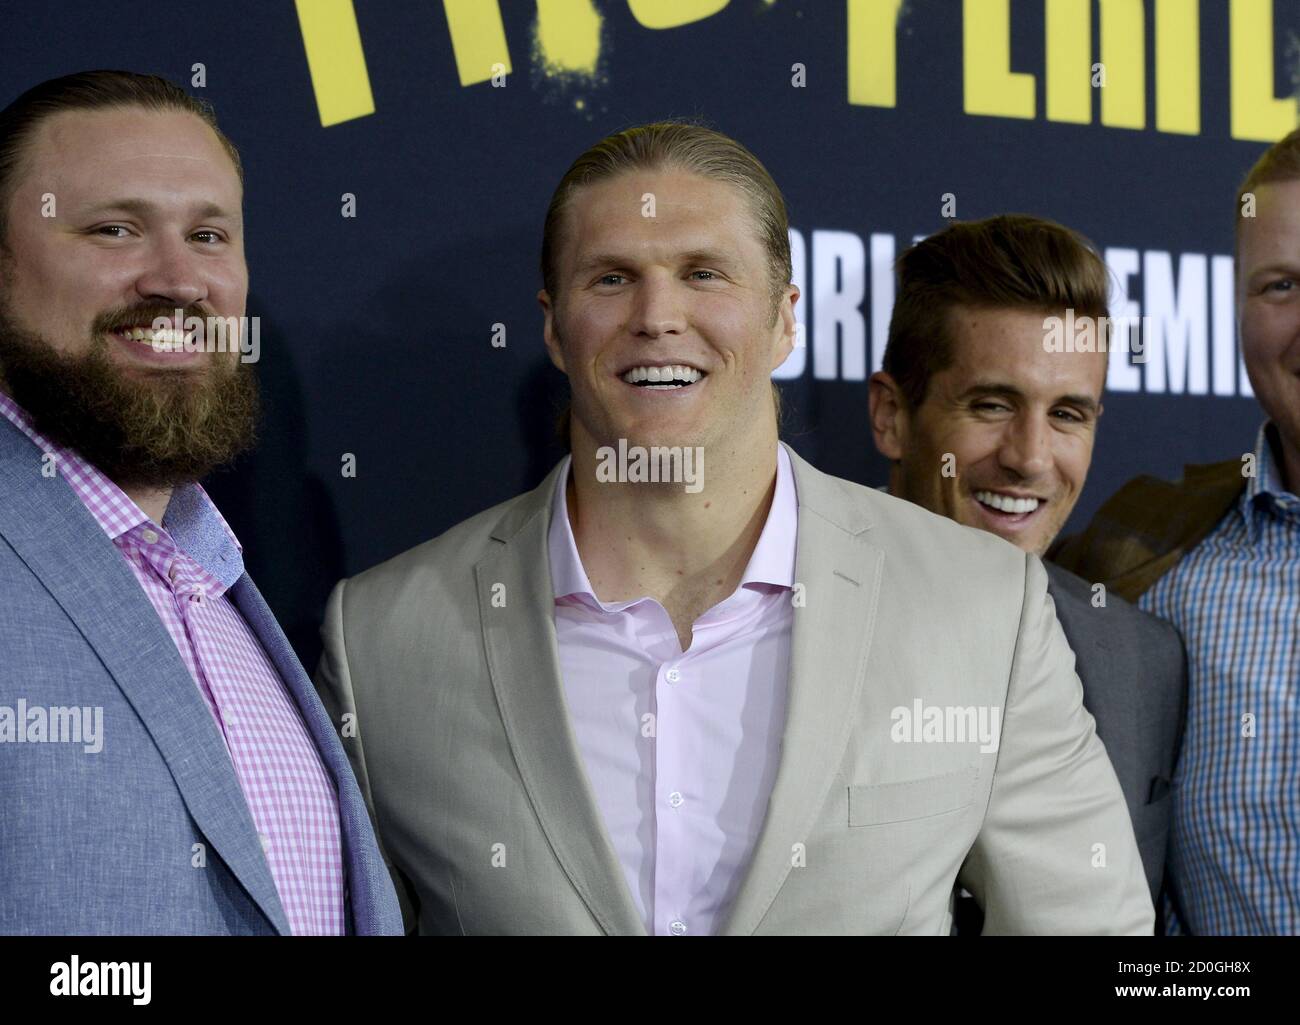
(1159, 790)
(873, 804)
(1152, 822)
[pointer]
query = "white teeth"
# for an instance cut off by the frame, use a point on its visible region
(664, 375)
(165, 340)
(1007, 504)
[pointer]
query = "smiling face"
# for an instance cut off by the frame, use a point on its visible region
(146, 220)
(664, 324)
(1018, 421)
(1268, 305)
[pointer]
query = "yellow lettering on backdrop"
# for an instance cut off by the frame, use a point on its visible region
(1178, 66)
(1068, 27)
(568, 35)
(568, 39)
(873, 52)
(335, 60)
(672, 13)
(478, 39)
(1123, 52)
(990, 86)
(1257, 114)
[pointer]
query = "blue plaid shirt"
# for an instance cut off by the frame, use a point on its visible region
(1234, 858)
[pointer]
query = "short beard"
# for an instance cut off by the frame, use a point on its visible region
(159, 430)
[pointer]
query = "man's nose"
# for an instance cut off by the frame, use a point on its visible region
(173, 274)
(1027, 447)
(657, 308)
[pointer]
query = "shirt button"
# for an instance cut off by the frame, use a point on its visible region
(266, 841)
(677, 928)
(673, 675)
(675, 799)
(171, 573)
(150, 537)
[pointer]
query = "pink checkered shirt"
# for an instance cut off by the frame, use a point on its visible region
(289, 792)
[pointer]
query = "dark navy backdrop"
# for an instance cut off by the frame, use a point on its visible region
(377, 329)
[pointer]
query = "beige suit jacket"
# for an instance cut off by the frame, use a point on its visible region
(441, 670)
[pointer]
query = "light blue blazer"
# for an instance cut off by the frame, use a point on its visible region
(151, 834)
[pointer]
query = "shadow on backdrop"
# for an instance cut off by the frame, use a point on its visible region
(282, 512)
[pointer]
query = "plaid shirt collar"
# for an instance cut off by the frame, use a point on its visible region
(192, 520)
(1265, 494)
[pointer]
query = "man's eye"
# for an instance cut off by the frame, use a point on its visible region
(709, 274)
(995, 406)
(212, 235)
(1289, 284)
(609, 279)
(110, 228)
(1070, 415)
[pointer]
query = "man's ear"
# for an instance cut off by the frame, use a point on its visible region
(549, 333)
(789, 325)
(888, 411)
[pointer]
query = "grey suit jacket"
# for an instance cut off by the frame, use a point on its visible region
(445, 658)
(1134, 673)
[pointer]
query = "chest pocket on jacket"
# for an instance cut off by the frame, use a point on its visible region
(874, 804)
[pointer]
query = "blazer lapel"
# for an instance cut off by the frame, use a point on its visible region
(60, 542)
(831, 637)
(523, 661)
(372, 905)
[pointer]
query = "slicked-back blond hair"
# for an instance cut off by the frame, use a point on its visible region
(677, 145)
(684, 146)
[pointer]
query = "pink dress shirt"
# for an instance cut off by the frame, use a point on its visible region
(290, 795)
(681, 748)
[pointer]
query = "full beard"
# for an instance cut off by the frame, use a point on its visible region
(157, 429)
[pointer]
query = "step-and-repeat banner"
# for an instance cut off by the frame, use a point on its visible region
(400, 155)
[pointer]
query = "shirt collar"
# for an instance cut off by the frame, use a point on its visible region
(191, 519)
(1265, 492)
(772, 561)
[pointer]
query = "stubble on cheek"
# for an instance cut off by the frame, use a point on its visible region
(954, 499)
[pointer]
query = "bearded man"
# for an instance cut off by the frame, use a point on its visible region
(165, 765)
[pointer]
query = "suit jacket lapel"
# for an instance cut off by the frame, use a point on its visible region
(523, 661)
(60, 542)
(840, 573)
(371, 904)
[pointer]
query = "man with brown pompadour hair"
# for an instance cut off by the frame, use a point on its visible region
(971, 384)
